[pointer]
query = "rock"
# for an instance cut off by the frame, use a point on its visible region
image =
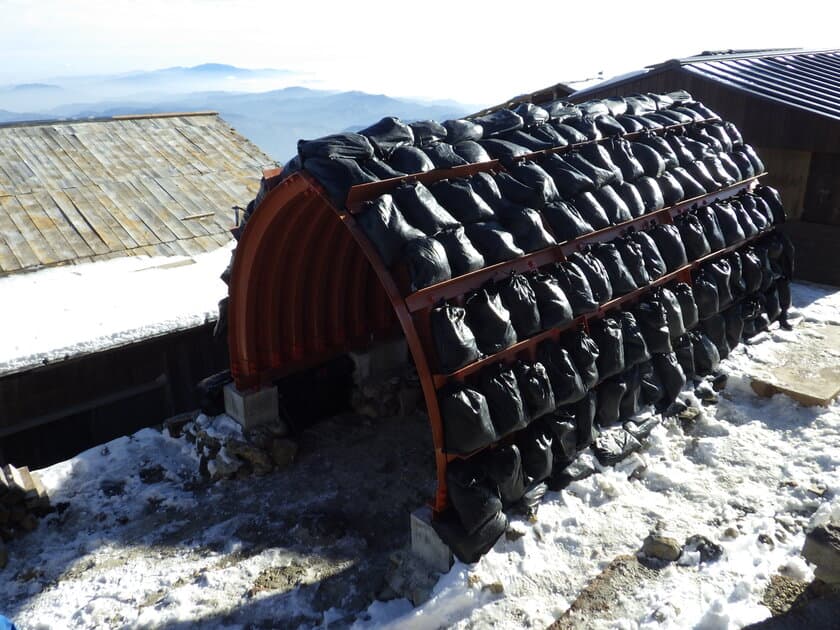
(709, 551)
(731, 532)
(29, 522)
(719, 381)
(822, 547)
(112, 487)
(497, 588)
(828, 576)
(661, 547)
(765, 539)
(223, 466)
(410, 577)
(259, 459)
(283, 452)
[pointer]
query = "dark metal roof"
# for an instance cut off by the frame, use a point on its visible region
(808, 80)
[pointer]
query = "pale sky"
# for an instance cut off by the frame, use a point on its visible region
(473, 52)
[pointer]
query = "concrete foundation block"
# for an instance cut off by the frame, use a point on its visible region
(426, 544)
(254, 407)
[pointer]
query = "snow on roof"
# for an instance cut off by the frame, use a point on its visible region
(67, 311)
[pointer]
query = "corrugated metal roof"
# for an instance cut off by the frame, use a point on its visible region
(83, 190)
(808, 80)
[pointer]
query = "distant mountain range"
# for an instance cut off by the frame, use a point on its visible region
(274, 119)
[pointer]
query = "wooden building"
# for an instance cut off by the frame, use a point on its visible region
(787, 104)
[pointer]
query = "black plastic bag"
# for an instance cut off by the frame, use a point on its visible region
(774, 201)
(350, 146)
(554, 306)
(631, 402)
(503, 467)
(422, 209)
(584, 353)
(525, 139)
(610, 393)
(688, 307)
(633, 256)
(461, 201)
(733, 133)
(527, 228)
(631, 124)
(667, 239)
(386, 228)
(661, 146)
(471, 494)
(730, 167)
(649, 159)
(598, 156)
(466, 420)
(693, 236)
(427, 133)
(758, 211)
(388, 134)
(654, 263)
(671, 376)
(566, 382)
(521, 302)
(690, 187)
(622, 156)
(685, 355)
(584, 414)
(706, 357)
(485, 185)
(718, 131)
(576, 287)
(503, 150)
(610, 341)
(673, 312)
(564, 438)
(380, 169)
(614, 207)
(462, 255)
(751, 270)
(650, 387)
(427, 262)
(569, 180)
(651, 193)
(719, 172)
(635, 348)
(734, 322)
(608, 126)
(700, 173)
(470, 548)
(337, 175)
(728, 222)
(461, 130)
(743, 163)
(565, 221)
(569, 133)
(538, 181)
(595, 273)
(671, 187)
(592, 212)
(705, 295)
(745, 219)
(407, 159)
(454, 341)
(615, 445)
(715, 329)
(537, 457)
(547, 133)
(711, 228)
(758, 165)
(472, 152)
(736, 279)
(504, 400)
(499, 121)
(599, 176)
(443, 155)
(535, 386)
(720, 272)
(490, 321)
(620, 278)
(585, 125)
(677, 144)
(632, 199)
(494, 242)
(653, 322)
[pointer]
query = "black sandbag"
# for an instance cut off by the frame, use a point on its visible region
(730, 167)
(535, 387)
(757, 164)
(592, 212)
(653, 322)
(547, 133)
(597, 155)
(721, 272)
(711, 228)
(610, 393)
(700, 173)
(573, 281)
(701, 109)
(649, 159)
(499, 121)
(494, 242)
(461, 201)
(715, 329)
(630, 123)
(595, 173)
(705, 295)
(635, 348)
(616, 105)
(443, 155)
(504, 400)
(521, 302)
(408, 159)
(536, 447)
(728, 222)
(565, 221)
(503, 150)
(471, 151)
(688, 307)
(486, 186)
(385, 226)
(525, 139)
(613, 205)
(633, 258)
(427, 133)
(690, 187)
(647, 124)
(337, 175)
(736, 279)
(677, 116)
(743, 163)
(657, 117)
(503, 467)
(533, 176)
(422, 209)
(650, 387)
(610, 341)
(774, 201)
(427, 262)
(751, 270)
(490, 321)
(759, 218)
(380, 169)
(454, 341)
(667, 239)
(475, 500)
(566, 382)
(716, 169)
(631, 402)
(615, 445)
(564, 438)
(569, 133)
(651, 193)
(350, 146)
(671, 376)
(718, 132)
(621, 153)
(554, 306)
(463, 257)
(631, 197)
(673, 312)
(466, 420)
(621, 279)
(693, 236)
(654, 263)
(672, 190)
(734, 134)
(585, 125)
(608, 125)
(469, 548)
(700, 150)
(684, 352)
(677, 144)
(388, 134)
(661, 146)
(701, 134)
(461, 130)
(734, 322)
(744, 219)
(569, 180)
(596, 275)
(584, 353)
(706, 357)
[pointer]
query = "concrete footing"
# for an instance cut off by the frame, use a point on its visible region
(425, 542)
(254, 407)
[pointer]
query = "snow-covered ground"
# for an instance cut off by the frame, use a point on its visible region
(98, 305)
(153, 549)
